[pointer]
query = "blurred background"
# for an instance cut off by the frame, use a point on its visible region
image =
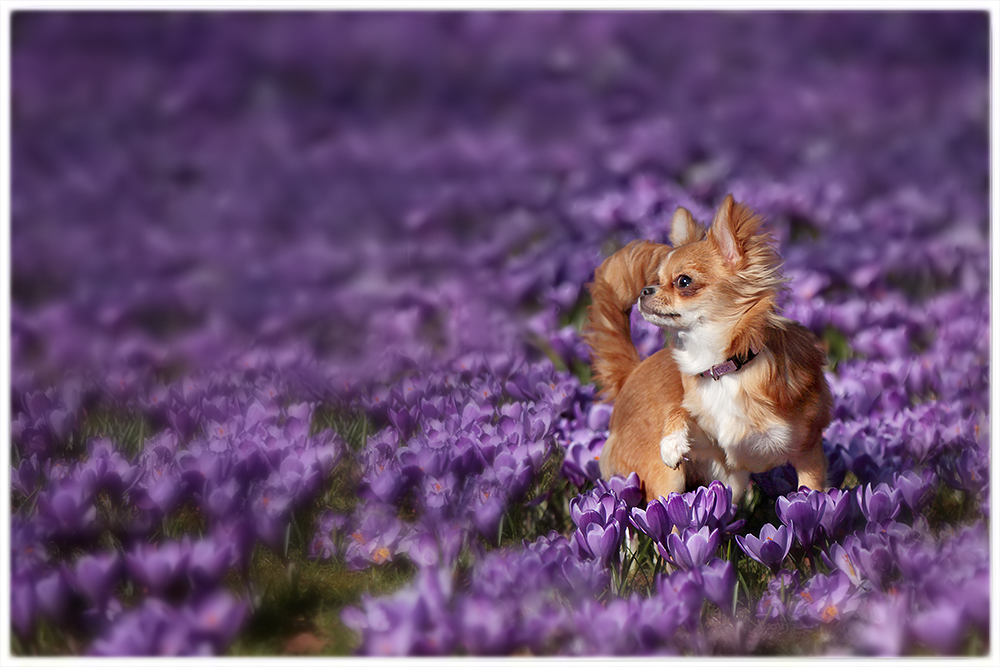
(379, 189)
(326, 271)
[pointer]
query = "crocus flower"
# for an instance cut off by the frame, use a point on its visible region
(652, 521)
(826, 599)
(596, 541)
(770, 548)
(154, 628)
(878, 505)
(713, 506)
(488, 513)
(628, 489)
(69, 506)
(780, 595)
(678, 510)
(606, 629)
(802, 512)
(269, 510)
(209, 561)
(159, 491)
(683, 589)
(838, 513)
(96, 575)
(215, 617)
(484, 626)
(514, 475)
(23, 607)
(52, 594)
(590, 508)
(883, 631)
(158, 568)
(941, 627)
(691, 549)
(916, 490)
(375, 538)
(421, 548)
(718, 583)
(872, 558)
(581, 463)
(24, 478)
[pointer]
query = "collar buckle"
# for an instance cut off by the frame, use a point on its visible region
(730, 365)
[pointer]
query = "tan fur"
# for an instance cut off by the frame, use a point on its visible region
(770, 412)
(617, 283)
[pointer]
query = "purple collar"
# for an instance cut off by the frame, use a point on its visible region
(730, 365)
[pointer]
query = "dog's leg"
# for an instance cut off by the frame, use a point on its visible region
(737, 480)
(662, 480)
(607, 462)
(674, 439)
(810, 466)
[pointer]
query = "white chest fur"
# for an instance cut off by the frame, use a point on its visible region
(720, 408)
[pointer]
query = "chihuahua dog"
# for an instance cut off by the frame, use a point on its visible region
(740, 389)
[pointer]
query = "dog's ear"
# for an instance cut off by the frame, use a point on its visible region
(723, 232)
(683, 228)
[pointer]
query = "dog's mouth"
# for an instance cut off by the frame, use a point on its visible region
(645, 311)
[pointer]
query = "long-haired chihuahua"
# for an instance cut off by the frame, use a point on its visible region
(739, 388)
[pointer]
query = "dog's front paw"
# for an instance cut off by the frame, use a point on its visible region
(673, 447)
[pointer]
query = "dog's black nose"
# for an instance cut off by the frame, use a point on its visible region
(648, 291)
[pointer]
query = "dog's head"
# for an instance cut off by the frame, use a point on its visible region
(716, 276)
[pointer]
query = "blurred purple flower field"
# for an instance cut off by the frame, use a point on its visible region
(296, 299)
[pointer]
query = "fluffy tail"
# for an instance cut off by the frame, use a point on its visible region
(617, 284)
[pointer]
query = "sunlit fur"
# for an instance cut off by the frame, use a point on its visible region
(716, 291)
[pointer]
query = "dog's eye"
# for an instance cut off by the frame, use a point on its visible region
(683, 281)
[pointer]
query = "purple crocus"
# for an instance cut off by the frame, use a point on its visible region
(880, 504)
(209, 561)
(770, 548)
(96, 575)
(857, 558)
(838, 514)
(52, 594)
(683, 589)
(916, 490)
(780, 595)
(884, 631)
(24, 478)
(718, 583)
(678, 510)
(581, 463)
(513, 475)
(488, 512)
(159, 491)
(600, 524)
(69, 507)
(691, 549)
(601, 508)
(802, 512)
(628, 489)
(841, 558)
(653, 521)
(825, 599)
(158, 568)
(940, 627)
(713, 506)
(422, 548)
(485, 625)
(270, 512)
(324, 543)
(23, 606)
(154, 628)
(215, 617)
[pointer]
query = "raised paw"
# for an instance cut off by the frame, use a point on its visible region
(674, 446)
